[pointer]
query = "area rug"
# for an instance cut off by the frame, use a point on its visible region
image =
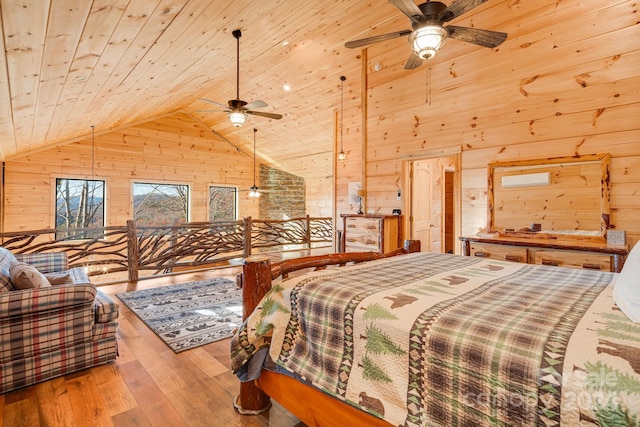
(189, 315)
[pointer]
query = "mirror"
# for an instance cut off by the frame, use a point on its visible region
(563, 196)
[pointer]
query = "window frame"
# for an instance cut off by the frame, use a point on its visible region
(70, 177)
(189, 186)
(236, 207)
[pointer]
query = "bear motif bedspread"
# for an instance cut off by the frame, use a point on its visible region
(444, 340)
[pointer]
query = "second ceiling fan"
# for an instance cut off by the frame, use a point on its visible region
(238, 109)
(428, 34)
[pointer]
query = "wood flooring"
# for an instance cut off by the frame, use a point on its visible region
(147, 385)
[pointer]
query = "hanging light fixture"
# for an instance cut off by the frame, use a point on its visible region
(428, 40)
(342, 155)
(253, 190)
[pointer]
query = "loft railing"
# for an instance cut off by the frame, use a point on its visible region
(157, 250)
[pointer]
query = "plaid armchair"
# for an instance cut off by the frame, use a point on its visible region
(52, 331)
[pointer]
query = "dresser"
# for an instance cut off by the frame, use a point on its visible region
(568, 253)
(371, 233)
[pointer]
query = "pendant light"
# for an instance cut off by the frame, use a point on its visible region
(342, 155)
(253, 190)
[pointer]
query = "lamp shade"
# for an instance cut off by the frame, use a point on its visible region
(237, 118)
(428, 40)
(253, 191)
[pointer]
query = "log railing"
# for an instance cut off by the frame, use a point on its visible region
(155, 250)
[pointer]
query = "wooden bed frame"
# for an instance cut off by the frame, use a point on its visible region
(310, 405)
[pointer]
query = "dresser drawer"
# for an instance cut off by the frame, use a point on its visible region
(572, 259)
(501, 252)
(362, 225)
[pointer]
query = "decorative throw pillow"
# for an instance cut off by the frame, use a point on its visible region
(26, 276)
(626, 291)
(62, 278)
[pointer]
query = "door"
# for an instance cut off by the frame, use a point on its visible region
(421, 206)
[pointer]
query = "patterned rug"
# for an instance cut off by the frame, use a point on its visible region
(188, 315)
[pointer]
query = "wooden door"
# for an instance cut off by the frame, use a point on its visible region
(421, 210)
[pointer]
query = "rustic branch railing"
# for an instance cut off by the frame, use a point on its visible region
(160, 250)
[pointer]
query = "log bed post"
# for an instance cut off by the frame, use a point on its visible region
(255, 282)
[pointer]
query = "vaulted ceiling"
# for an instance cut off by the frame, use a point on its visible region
(69, 65)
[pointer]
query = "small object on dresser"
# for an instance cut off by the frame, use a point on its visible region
(536, 227)
(396, 212)
(616, 238)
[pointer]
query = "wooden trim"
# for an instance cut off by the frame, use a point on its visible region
(365, 113)
(311, 406)
(434, 153)
(334, 174)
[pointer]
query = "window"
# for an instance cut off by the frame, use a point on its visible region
(79, 204)
(160, 204)
(223, 203)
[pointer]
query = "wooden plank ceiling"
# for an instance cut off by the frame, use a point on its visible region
(69, 64)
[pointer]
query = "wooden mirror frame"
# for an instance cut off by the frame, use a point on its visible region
(605, 210)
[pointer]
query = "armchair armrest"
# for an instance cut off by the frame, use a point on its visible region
(46, 262)
(30, 301)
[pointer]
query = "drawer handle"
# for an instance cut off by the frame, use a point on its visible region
(552, 262)
(591, 266)
(371, 227)
(481, 254)
(515, 258)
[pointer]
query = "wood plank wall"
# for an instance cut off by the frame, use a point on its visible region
(548, 91)
(560, 90)
(172, 149)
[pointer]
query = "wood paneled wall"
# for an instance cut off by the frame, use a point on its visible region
(172, 149)
(548, 91)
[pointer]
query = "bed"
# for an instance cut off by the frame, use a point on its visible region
(426, 339)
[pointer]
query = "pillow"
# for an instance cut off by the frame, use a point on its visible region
(26, 276)
(61, 278)
(626, 291)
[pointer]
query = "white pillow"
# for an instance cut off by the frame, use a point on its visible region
(626, 291)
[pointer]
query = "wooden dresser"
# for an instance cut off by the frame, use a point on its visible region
(371, 233)
(561, 253)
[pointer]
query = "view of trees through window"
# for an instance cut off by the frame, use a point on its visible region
(222, 203)
(160, 204)
(79, 204)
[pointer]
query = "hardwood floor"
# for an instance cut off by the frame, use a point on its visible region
(147, 385)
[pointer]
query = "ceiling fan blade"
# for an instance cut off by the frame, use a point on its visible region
(263, 114)
(409, 8)
(382, 37)
(213, 102)
(414, 61)
(457, 8)
(256, 104)
(213, 111)
(486, 38)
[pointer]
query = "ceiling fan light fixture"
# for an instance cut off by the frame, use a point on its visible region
(428, 40)
(237, 118)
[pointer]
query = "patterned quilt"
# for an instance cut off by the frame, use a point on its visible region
(444, 340)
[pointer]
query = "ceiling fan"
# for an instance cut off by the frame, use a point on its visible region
(238, 109)
(428, 34)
